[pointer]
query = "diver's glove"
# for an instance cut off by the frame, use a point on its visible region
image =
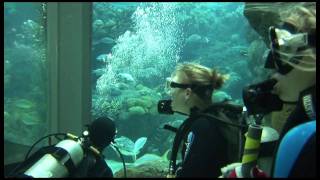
(234, 171)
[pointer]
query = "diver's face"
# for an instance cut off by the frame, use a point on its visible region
(292, 80)
(180, 96)
(290, 85)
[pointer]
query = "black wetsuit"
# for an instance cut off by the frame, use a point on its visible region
(206, 150)
(299, 115)
(92, 166)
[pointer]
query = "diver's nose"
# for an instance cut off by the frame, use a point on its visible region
(277, 76)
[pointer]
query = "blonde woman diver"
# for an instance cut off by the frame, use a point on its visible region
(292, 56)
(210, 142)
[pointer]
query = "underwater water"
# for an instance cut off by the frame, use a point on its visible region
(134, 49)
(135, 46)
(25, 73)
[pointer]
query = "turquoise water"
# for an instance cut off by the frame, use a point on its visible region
(135, 46)
(25, 73)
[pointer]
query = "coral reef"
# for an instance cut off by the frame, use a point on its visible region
(156, 169)
(149, 165)
(25, 73)
(136, 110)
(23, 122)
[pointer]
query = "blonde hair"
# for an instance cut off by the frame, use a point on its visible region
(201, 75)
(303, 18)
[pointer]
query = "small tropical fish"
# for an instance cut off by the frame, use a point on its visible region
(126, 77)
(99, 72)
(102, 57)
(243, 52)
(24, 104)
(105, 40)
(206, 39)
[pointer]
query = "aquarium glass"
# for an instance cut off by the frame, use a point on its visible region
(25, 72)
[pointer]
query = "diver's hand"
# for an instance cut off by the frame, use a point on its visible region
(234, 171)
(226, 171)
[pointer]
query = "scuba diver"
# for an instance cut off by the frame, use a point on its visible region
(296, 81)
(293, 57)
(101, 134)
(73, 156)
(210, 139)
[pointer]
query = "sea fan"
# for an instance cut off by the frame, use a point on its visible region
(129, 148)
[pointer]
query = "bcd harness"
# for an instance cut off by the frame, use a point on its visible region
(181, 132)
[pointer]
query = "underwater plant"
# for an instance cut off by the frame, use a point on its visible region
(129, 148)
(151, 160)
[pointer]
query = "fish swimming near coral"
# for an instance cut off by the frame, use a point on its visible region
(125, 77)
(195, 39)
(241, 49)
(24, 104)
(102, 57)
(105, 40)
(99, 72)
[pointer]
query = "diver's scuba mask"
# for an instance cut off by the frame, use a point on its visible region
(164, 106)
(285, 43)
(198, 89)
(259, 99)
(170, 85)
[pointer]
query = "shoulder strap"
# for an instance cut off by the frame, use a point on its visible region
(180, 134)
(185, 128)
(221, 119)
(308, 106)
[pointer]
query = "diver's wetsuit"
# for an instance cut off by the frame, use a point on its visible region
(306, 163)
(92, 166)
(299, 115)
(206, 150)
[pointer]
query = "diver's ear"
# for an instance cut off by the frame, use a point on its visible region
(188, 93)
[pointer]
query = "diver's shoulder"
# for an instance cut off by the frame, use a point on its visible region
(204, 122)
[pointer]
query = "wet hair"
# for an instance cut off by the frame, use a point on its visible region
(202, 76)
(303, 18)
